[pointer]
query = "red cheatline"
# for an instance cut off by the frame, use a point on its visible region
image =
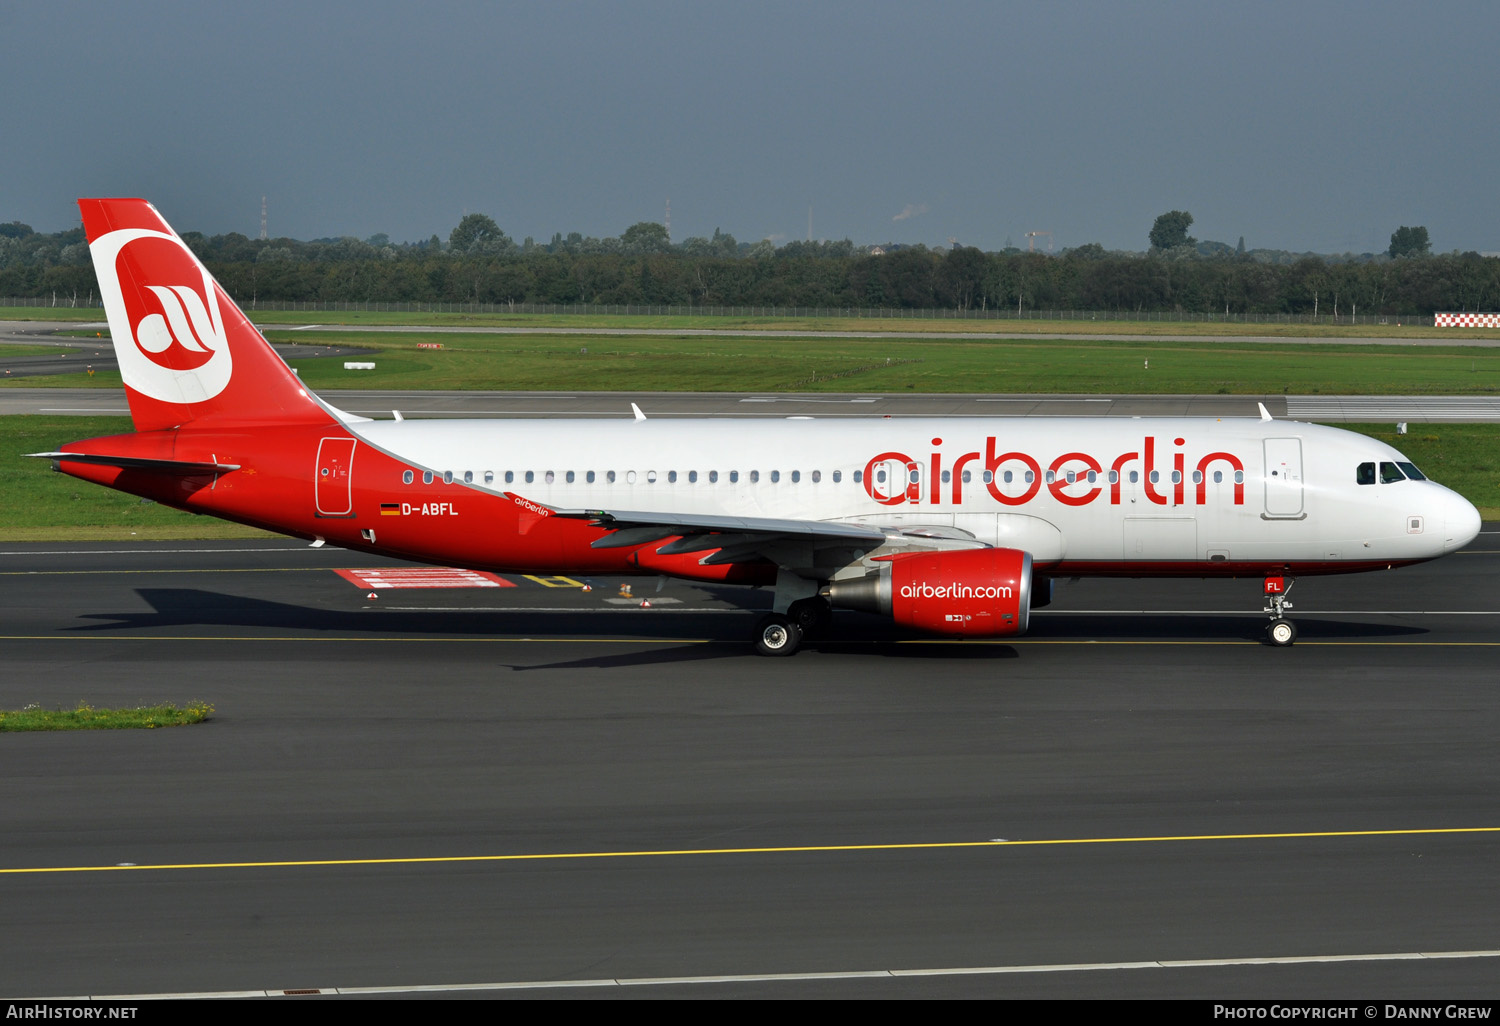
(423, 577)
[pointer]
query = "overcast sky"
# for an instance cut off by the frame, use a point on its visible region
(1303, 126)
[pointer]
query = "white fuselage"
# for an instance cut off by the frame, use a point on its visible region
(1088, 494)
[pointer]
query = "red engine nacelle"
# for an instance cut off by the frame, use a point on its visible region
(972, 592)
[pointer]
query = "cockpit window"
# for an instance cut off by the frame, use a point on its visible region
(1411, 471)
(1365, 474)
(1390, 473)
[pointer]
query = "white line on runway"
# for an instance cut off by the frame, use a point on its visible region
(788, 399)
(1026, 400)
(1247, 612)
(567, 609)
(866, 974)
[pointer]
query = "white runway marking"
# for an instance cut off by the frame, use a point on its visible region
(857, 974)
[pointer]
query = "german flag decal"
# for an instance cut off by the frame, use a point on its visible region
(390, 509)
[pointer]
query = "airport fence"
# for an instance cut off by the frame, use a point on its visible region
(788, 312)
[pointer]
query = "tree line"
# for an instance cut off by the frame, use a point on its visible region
(479, 263)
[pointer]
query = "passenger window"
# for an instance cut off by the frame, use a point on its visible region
(530, 476)
(713, 477)
(734, 477)
(1092, 476)
(1008, 476)
(692, 477)
(1218, 477)
(1364, 474)
(968, 476)
(754, 476)
(1177, 477)
(468, 477)
(569, 477)
(510, 476)
(817, 475)
(447, 477)
(489, 477)
(775, 476)
(796, 476)
(1239, 477)
(406, 477)
(610, 477)
(1390, 473)
(651, 477)
(838, 475)
(1155, 476)
(1135, 477)
(989, 476)
(1114, 477)
(630, 477)
(1030, 477)
(858, 476)
(427, 477)
(589, 477)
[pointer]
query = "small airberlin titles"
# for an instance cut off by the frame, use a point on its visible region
(1064, 476)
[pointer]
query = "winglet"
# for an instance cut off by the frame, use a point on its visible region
(638, 414)
(1265, 414)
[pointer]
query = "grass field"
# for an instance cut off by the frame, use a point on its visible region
(889, 365)
(86, 717)
(41, 505)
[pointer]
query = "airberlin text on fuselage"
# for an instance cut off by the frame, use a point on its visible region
(1091, 478)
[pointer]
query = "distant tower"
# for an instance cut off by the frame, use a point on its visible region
(262, 217)
(809, 222)
(668, 225)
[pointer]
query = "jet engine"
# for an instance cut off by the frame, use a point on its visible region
(968, 592)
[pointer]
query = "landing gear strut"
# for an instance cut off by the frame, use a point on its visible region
(1280, 632)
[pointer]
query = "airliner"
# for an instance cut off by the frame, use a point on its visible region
(953, 526)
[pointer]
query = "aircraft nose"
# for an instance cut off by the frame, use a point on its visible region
(1460, 522)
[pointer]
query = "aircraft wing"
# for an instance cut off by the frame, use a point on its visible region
(810, 548)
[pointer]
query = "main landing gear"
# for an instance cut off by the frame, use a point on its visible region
(1280, 632)
(779, 635)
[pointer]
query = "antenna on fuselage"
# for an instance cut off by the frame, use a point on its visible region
(1265, 414)
(637, 410)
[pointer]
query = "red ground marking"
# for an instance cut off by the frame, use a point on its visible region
(422, 577)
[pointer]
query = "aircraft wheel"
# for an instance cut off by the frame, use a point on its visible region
(777, 636)
(1281, 633)
(812, 615)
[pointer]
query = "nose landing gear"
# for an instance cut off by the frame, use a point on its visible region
(1280, 632)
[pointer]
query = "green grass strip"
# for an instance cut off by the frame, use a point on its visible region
(86, 717)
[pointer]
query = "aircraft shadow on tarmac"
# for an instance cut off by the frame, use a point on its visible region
(852, 632)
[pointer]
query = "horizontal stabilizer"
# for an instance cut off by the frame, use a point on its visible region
(185, 468)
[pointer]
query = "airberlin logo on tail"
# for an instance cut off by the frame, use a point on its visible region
(169, 331)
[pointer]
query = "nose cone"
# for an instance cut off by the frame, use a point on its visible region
(1460, 522)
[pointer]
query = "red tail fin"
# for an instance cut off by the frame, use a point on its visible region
(186, 351)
